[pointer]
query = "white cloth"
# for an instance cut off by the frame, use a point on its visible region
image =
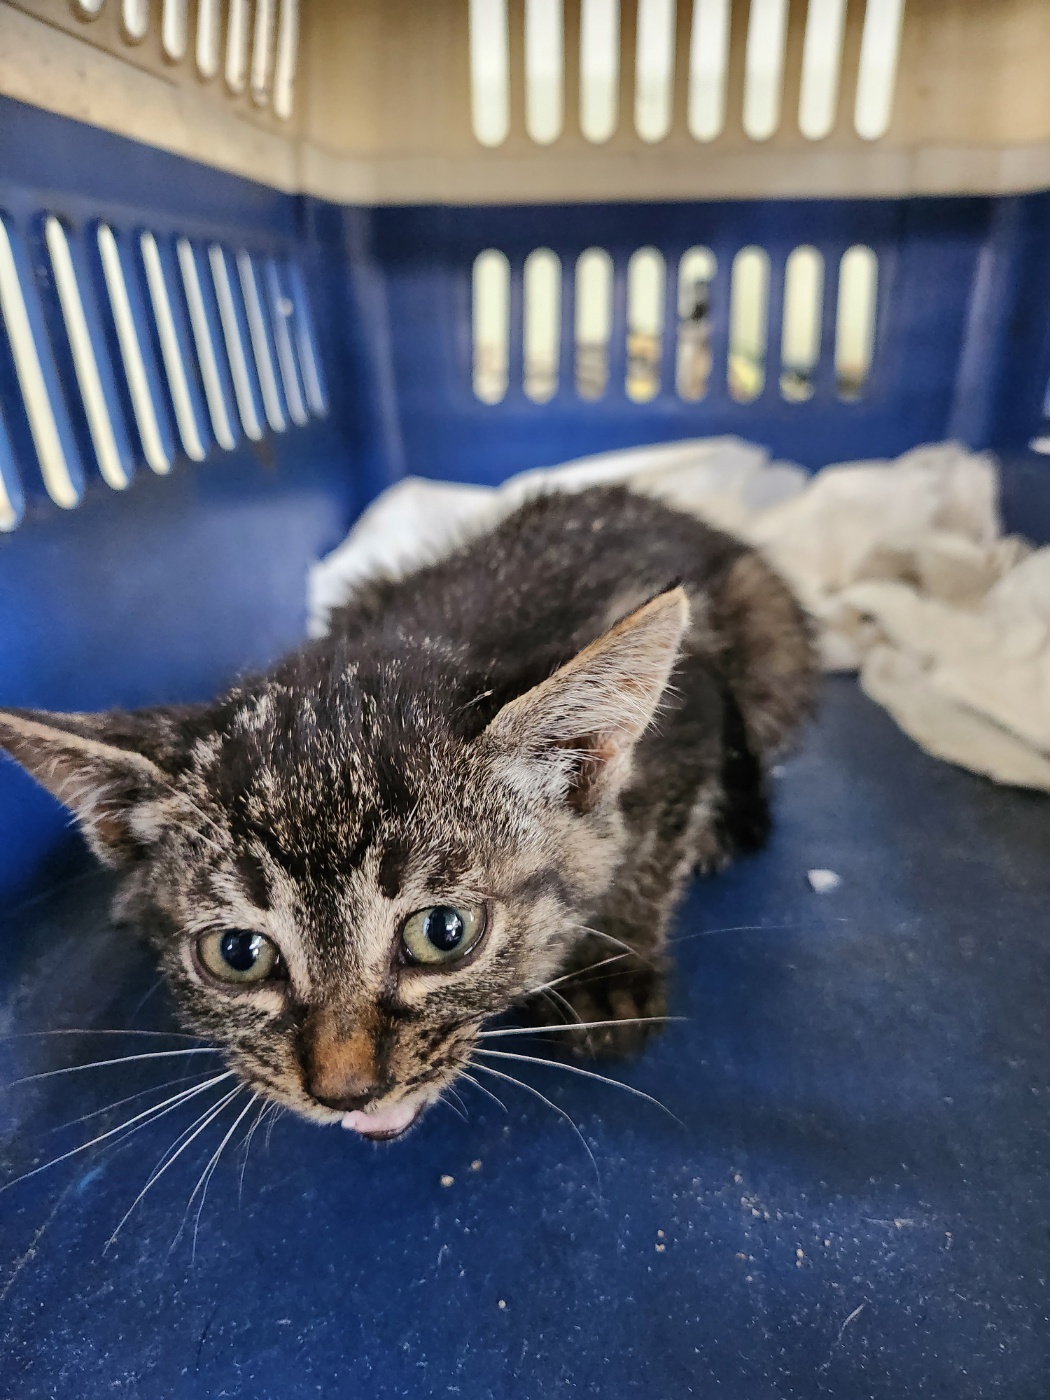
(903, 564)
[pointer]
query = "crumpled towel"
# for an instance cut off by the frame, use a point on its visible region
(903, 565)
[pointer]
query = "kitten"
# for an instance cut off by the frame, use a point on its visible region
(495, 771)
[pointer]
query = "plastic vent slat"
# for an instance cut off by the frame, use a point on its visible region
(821, 65)
(708, 66)
(489, 71)
(218, 394)
(877, 70)
(135, 16)
(237, 36)
(654, 69)
(90, 359)
(260, 334)
(282, 311)
(544, 70)
(764, 67)
(287, 55)
(187, 417)
(262, 52)
(53, 441)
(208, 48)
(233, 332)
(306, 344)
(599, 68)
(140, 372)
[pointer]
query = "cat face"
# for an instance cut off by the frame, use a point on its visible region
(343, 883)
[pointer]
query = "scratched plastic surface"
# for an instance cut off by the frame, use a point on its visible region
(853, 1205)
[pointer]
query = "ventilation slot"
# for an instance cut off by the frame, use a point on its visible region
(134, 15)
(821, 62)
(262, 346)
(237, 35)
(209, 37)
(287, 54)
(37, 380)
(646, 289)
(747, 324)
(489, 71)
(654, 69)
(708, 62)
(155, 447)
(219, 410)
(542, 297)
(491, 325)
(800, 336)
(855, 320)
(283, 313)
(231, 319)
(593, 329)
(544, 71)
(696, 272)
(599, 68)
(171, 352)
(100, 409)
(877, 73)
(764, 67)
(262, 52)
(174, 29)
(306, 344)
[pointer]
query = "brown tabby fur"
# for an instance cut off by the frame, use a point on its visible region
(559, 722)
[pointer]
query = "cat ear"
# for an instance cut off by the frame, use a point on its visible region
(570, 738)
(99, 766)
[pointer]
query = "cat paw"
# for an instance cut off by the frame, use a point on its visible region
(629, 999)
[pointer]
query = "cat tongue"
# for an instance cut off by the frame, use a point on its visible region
(382, 1122)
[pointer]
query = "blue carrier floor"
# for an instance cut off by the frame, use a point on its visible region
(854, 1204)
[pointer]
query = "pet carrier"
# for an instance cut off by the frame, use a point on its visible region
(260, 259)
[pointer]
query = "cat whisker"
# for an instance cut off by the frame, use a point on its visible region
(180, 1138)
(117, 1103)
(735, 928)
(487, 1092)
(209, 1171)
(555, 998)
(247, 1147)
(168, 1156)
(576, 972)
(149, 1115)
(586, 1073)
(457, 1111)
(278, 1111)
(510, 1079)
(150, 991)
(122, 1060)
(91, 1030)
(616, 942)
(580, 1026)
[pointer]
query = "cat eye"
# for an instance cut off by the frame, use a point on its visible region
(238, 955)
(442, 934)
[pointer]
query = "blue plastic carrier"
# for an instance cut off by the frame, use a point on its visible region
(854, 1204)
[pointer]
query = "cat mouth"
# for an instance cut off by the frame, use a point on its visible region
(383, 1124)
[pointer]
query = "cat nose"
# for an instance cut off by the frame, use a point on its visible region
(341, 1069)
(346, 1103)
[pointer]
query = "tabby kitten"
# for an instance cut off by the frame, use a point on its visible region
(495, 771)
